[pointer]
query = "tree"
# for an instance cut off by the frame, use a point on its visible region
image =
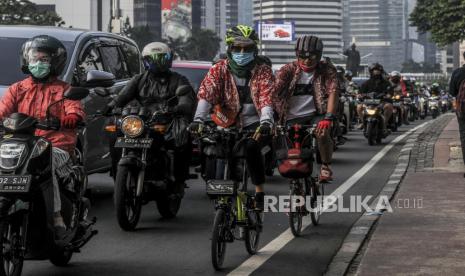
(202, 45)
(443, 18)
(178, 46)
(142, 35)
(15, 12)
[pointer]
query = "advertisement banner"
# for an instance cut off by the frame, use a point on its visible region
(276, 30)
(176, 19)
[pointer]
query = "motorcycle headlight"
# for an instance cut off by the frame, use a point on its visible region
(132, 126)
(10, 155)
(371, 111)
(397, 97)
(39, 148)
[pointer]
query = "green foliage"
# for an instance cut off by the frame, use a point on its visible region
(142, 35)
(16, 12)
(443, 18)
(414, 67)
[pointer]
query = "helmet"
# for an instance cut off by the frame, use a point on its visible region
(47, 44)
(157, 57)
(435, 87)
(348, 74)
(395, 74)
(376, 66)
(241, 35)
(308, 44)
(340, 70)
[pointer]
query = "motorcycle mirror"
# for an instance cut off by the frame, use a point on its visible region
(76, 93)
(183, 90)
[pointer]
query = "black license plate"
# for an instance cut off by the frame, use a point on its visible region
(15, 183)
(139, 143)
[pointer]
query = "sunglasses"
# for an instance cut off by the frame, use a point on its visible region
(238, 49)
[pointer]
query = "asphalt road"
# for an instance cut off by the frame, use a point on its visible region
(181, 246)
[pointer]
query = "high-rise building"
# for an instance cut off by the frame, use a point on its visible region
(311, 17)
(380, 30)
(84, 14)
(218, 16)
(245, 16)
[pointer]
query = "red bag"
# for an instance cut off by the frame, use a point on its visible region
(223, 117)
(297, 164)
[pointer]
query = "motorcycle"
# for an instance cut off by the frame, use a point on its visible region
(396, 117)
(410, 108)
(444, 105)
(345, 118)
(145, 169)
(423, 104)
(373, 116)
(26, 188)
(433, 104)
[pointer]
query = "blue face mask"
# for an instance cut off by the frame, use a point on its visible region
(243, 58)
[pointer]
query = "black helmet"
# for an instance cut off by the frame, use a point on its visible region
(307, 45)
(348, 74)
(340, 70)
(241, 35)
(376, 66)
(47, 44)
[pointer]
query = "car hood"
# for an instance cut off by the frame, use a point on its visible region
(2, 89)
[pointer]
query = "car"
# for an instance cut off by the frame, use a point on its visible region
(97, 53)
(194, 71)
(281, 33)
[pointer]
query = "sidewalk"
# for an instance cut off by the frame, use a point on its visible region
(425, 233)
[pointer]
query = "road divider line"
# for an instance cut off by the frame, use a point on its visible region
(264, 254)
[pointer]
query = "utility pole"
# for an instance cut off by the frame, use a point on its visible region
(260, 28)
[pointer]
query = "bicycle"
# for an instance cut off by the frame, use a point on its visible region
(235, 216)
(297, 164)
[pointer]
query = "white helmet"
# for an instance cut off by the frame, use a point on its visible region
(157, 57)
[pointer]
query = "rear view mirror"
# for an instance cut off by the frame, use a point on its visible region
(76, 93)
(96, 78)
(183, 90)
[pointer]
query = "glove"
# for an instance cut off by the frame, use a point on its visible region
(70, 121)
(196, 127)
(324, 124)
(107, 110)
(264, 129)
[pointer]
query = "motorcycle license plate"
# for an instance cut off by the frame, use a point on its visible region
(139, 143)
(15, 183)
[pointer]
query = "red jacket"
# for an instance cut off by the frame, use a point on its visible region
(33, 98)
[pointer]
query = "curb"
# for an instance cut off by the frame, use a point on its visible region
(361, 228)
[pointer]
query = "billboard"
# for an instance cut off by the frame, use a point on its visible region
(176, 19)
(276, 30)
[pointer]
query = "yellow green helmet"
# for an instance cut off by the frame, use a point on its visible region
(241, 35)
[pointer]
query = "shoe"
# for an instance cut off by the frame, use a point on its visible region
(260, 201)
(326, 175)
(60, 235)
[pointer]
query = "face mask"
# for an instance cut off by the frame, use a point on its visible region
(305, 68)
(243, 58)
(39, 69)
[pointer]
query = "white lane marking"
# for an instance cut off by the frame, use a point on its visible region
(255, 261)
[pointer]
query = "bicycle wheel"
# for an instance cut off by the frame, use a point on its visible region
(218, 246)
(295, 216)
(316, 191)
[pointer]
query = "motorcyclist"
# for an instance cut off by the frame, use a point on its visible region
(435, 89)
(352, 89)
(43, 58)
(307, 91)
(340, 110)
(155, 89)
(239, 90)
(382, 89)
(399, 88)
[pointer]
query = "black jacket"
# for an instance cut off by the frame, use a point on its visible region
(380, 86)
(457, 77)
(154, 91)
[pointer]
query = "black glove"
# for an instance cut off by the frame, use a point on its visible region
(196, 127)
(107, 110)
(264, 129)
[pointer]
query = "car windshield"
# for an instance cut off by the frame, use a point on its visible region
(10, 47)
(195, 76)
